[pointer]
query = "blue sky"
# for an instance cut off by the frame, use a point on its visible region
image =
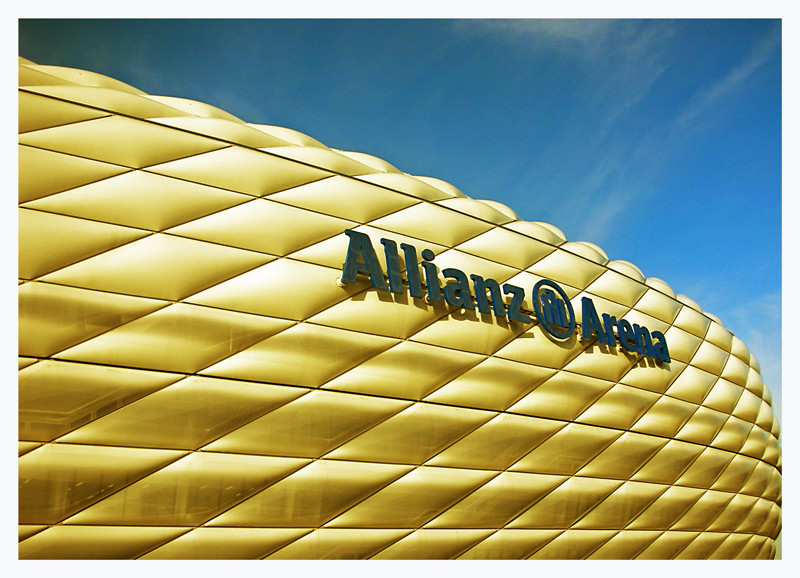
(658, 140)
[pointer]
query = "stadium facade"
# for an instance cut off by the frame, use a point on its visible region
(236, 342)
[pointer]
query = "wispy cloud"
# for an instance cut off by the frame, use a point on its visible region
(610, 151)
(707, 99)
(587, 36)
(591, 40)
(620, 62)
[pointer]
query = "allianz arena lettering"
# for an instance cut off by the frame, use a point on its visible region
(552, 307)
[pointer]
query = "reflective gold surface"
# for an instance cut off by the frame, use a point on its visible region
(195, 383)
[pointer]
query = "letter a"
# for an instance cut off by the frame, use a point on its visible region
(660, 347)
(361, 258)
(457, 293)
(591, 322)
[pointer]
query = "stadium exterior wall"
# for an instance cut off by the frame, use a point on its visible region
(223, 354)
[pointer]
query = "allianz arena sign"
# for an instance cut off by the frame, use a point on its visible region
(552, 307)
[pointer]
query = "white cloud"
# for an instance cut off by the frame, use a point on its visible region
(710, 97)
(602, 42)
(565, 32)
(600, 146)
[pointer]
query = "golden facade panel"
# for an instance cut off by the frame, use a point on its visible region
(236, 342)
